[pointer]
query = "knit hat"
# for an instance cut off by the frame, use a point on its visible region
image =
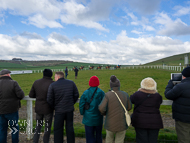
(186, 72)
(114, 82)
(94, 81)
(5, 71)
(148, 84)
(47, 72)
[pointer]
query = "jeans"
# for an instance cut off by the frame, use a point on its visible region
(66, 75)
(146, 135)
(93, 134)
(59, 125)
(39, 124)
(12, 121)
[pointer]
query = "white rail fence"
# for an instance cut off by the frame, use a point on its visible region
(174, 68)
(29, 128)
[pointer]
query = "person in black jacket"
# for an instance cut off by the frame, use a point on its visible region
(146, 116)
(66, 72)
(42, 108)
(62, 95)
(180, 94)
(10, 96)
(76, 72)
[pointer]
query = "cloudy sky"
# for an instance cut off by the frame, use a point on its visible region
(95, 31)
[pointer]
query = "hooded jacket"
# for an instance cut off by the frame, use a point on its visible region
(92, 116)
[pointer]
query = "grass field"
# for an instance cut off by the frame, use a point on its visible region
(129, 78)
(171, 61)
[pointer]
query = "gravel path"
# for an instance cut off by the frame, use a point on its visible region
(167, 121)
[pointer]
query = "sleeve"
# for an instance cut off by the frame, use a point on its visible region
(50, 96)
(103, 105)
(132, 99)
(32, 93)
(19, 92)
(161, 99)
(102, 94)
(129, 104)
(81, 104)
(172, 92)
(75, 93)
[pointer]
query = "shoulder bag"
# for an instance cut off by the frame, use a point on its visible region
(87, 104)
(127, 116)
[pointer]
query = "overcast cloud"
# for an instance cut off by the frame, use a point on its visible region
(97, 31)
(123, 49)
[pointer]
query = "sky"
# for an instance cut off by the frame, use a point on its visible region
(122, 32)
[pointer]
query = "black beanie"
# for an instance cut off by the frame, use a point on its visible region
(47, 72)
(114, 82)
(186, 72)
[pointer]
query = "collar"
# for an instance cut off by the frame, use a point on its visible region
(46, 77)
(6, 77)
(187, 78)
(147, 91)
(115, 88)
(61, 78)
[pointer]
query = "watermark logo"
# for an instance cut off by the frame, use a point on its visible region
(13, 130)
(24, 126)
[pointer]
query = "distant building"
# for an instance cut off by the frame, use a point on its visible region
(17, 59)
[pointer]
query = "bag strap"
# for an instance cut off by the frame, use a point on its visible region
(142, 101)
(120, 101)
(93, 95)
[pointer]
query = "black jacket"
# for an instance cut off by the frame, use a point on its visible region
(62, 95)
(10, 95)
(147, 114)
(39, 91)
(180, 94)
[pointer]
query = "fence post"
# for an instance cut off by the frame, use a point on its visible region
(29, 128)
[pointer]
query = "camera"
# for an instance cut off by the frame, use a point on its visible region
(176, 78)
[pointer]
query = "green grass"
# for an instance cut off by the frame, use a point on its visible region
(171, 61)
(130, 82)
(129, 79)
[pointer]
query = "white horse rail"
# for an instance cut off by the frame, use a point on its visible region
(29, 128)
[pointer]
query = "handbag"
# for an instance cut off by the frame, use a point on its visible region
(127, 116)
(87, 104)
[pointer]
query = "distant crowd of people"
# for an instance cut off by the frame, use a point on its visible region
(56, 99)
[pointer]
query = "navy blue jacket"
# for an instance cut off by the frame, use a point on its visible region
(62, 95)
(180, 94)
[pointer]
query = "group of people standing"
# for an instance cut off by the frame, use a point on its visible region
(58, 98)
(75, 70)
(146, 116)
